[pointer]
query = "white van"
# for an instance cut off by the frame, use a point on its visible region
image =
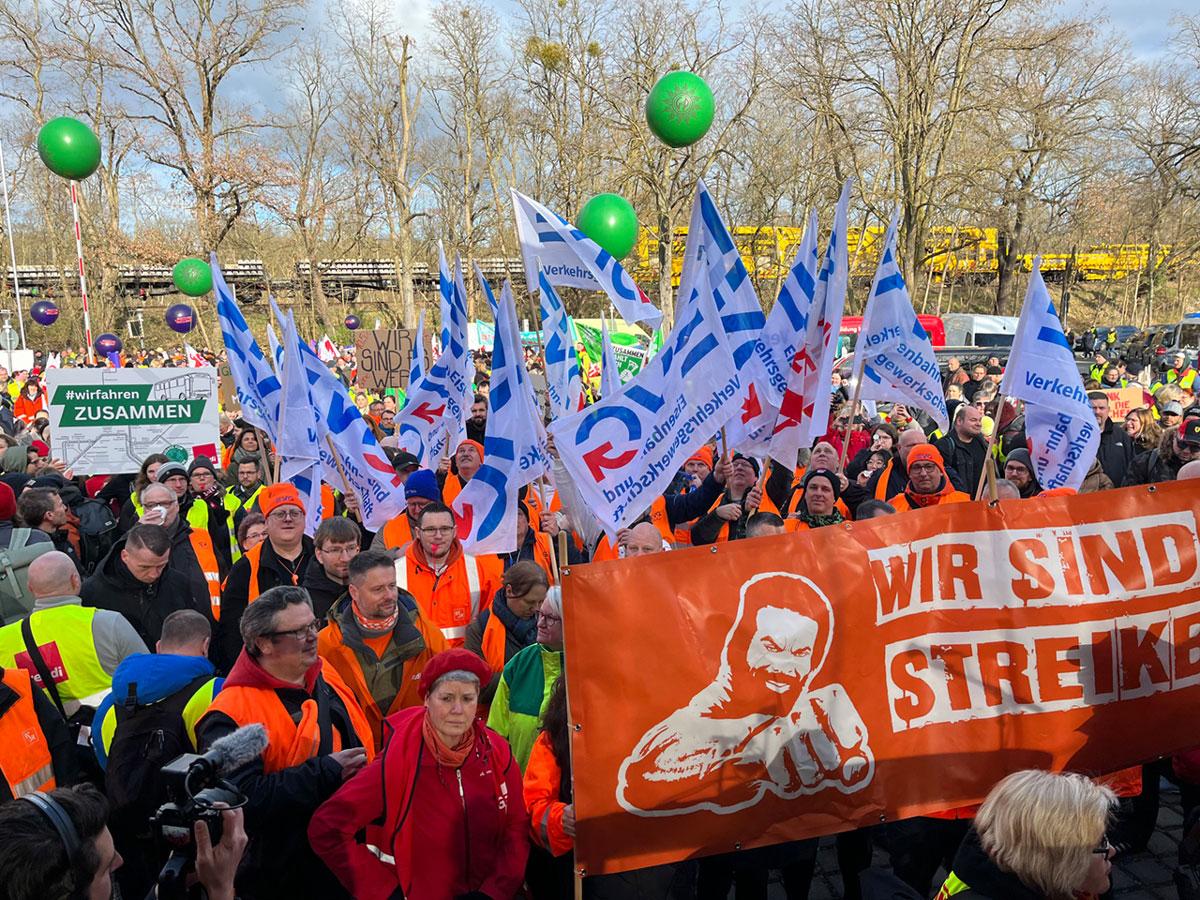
(970, 330)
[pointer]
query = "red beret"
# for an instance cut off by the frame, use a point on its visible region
(451, 661)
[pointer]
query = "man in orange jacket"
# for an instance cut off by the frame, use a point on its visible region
(318, 738)
(450, 586)
(928, 483)
(378, 641)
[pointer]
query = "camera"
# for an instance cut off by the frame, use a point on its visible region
(195, 795)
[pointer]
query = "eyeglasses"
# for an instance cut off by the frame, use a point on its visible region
(549, 620)
(298, 634)
(340, 549)
(162, 504)
(444, 529)
(286, 515)
(1104, 847)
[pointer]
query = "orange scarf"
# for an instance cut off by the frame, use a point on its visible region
(453, 757)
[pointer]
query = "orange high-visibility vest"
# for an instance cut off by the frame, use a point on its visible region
(290, 743)
(767, 505)
(24, 752)
(203, 548)
(901, 504)
(397, 532)
(798, 495)
(455, 597)
(451, 488)
(254, 555)
(494, 637)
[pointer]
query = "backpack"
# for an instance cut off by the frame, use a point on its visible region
(15, 600)
(145, 739)
(97, 532)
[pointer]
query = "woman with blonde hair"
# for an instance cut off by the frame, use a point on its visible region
(1037, 836)
(1141, 425)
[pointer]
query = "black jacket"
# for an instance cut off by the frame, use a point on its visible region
(777, 488)
(1151, 467)
(112, 586)
(964, 462)
(984, 879)
(325, 592)
(1116, 451)
(236, 592)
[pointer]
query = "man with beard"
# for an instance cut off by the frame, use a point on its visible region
(762, 726)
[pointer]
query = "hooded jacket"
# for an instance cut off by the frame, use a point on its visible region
(112, 586)
(326, 593)
(279, 861)
(1116, 451)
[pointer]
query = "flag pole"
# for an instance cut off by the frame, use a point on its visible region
(11, 248)
(987, 453)
(337, 461)
(283, 386)
(262, 451)
(87, 319)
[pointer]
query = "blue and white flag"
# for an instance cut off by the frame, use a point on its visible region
(712, 255)
(514, 445)
(299, 444)
(258, 389)
(623, 451)
(610, 377)
(804, 412)
(896, 357)
(416, 367)
(1041, 371)
(368, 473)
(569, 257)
(564, 386)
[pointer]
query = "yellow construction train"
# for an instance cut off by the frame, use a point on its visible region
(963, 254)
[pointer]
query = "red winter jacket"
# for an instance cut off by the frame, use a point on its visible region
(438, 821)
(860, 439)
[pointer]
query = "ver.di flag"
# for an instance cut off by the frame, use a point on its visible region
(564, 386)
(545, 234)
(623, 451)
(363, 465)
(257, 387)
(514, 445)
(897, 360)
(804, 412)
(1041, 371)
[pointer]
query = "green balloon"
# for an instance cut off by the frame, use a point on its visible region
(679, 109)
(609, 220)
(69, 148)
(192, 276)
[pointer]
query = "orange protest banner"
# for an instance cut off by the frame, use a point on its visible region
(774, 689)
(1122, 401)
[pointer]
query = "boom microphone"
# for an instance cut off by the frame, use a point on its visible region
(230, 753)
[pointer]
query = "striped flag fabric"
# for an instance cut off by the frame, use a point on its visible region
(258, 389)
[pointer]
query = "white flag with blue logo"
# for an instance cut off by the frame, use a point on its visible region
(299, 444)
(258, 389)
(368, 473)
(896, 359)
(416, 367)
(610, 377)
(564, 386)
(712, 255)
(804, 412)
(623, 451)
(514, 445)
(1041, 371)
(568, 257)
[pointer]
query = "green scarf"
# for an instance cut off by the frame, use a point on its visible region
(819, 521)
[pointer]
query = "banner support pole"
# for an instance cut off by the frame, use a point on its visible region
(987, 453)
(850, 424)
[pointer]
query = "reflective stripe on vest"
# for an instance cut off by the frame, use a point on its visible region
(471, 567)
(63, 634)
(24, 753)
(203, 548)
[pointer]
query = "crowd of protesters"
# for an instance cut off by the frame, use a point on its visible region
(414, 693)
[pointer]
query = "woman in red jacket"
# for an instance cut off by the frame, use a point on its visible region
(448, 792)
(31, 402)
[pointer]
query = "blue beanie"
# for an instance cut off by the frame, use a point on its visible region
(422, 483)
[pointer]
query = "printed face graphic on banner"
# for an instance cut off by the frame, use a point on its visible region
(763, 725)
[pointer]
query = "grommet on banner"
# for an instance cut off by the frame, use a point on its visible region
(713, 549)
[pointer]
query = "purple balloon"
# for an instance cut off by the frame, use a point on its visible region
(44, 312)
(352, 322)
(181, 318)
(108, 343)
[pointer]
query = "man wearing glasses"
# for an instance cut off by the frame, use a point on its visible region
(318, 738)
(1164, 461)
(451, 587)
(281, 559)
